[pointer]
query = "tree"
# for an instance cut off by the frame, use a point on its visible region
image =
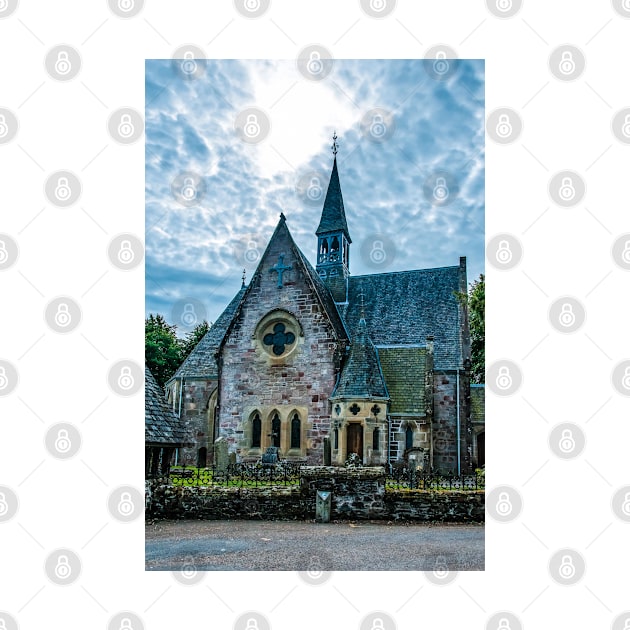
(194, 337)
(162, 349)
(164, 352)
(476, 302)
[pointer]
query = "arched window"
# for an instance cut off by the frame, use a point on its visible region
(408, 437)
(256, 431)
(275, 430)
(295, 431)
(376, 439)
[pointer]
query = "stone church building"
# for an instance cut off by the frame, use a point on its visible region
(377, 364)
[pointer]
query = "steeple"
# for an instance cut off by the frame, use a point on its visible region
(333, 237)
(333, 215)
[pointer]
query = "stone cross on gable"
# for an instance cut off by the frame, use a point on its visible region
(280, 268)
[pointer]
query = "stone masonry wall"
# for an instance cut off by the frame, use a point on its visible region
(356, 496)
(251, 379)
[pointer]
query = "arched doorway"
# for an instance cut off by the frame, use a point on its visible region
(354, 439)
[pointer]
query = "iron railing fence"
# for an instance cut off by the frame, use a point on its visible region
(238, 475)
(286, 473)
(412, 479)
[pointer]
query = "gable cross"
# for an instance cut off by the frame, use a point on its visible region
(280, 268)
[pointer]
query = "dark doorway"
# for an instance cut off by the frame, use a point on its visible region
(202, 457)
(481, 449)
(355, 440)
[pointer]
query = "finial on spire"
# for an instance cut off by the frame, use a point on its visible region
(334, 144)
(242, 285)
(282, 217)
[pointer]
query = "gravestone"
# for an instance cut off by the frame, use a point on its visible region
(221, 458)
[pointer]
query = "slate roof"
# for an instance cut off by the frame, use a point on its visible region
(333, 214)
(161, 424)
(404, 370)
(361, 376)
(404, 307)
(201, 362)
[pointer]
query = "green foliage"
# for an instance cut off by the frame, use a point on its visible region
(476, 302)
(163, 350)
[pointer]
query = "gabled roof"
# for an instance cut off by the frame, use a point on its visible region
(201, 361)
(405, 307)
(333, 214)
(361, 376)
(319, 288)
(161, 424)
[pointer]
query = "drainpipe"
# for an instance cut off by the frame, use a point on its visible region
(459, 455)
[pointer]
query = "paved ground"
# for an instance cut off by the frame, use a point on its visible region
(305, 546)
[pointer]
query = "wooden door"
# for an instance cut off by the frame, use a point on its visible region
(355, 440)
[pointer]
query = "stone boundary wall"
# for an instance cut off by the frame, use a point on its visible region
(358, 494)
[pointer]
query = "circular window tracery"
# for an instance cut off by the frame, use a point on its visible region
(277, 334)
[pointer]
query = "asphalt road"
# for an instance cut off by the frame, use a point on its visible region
(307, 546)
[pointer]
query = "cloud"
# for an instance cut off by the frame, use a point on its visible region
(196, 251)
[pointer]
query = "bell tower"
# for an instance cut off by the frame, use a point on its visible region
(333, 238)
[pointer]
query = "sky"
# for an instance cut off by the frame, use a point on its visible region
(410, 160)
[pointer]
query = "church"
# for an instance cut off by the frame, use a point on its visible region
(323, 364)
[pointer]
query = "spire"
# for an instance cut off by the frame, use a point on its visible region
(333, 214)
(361, 376)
